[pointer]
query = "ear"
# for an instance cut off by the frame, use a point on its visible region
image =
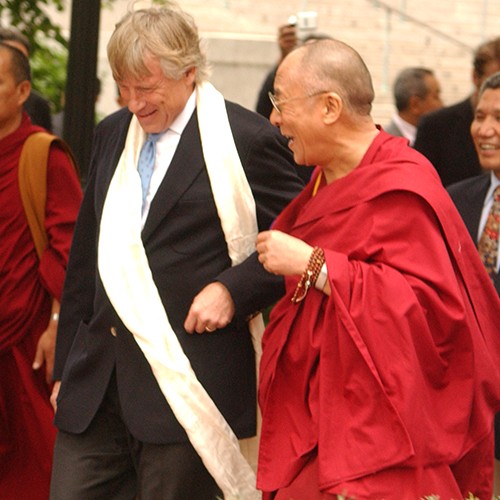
(332, 107)
(23, 90)
(190, 75)
(476, 79)
(414, 105)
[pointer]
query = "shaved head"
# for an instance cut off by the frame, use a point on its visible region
(334, 65)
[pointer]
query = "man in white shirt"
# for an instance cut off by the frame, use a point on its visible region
(416, 92)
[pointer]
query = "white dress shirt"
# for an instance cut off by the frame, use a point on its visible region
(407, 129)
(165, 150)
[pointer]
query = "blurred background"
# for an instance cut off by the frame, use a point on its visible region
(241, 40)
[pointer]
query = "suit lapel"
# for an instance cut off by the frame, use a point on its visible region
(496, 282)
(475, 198)
(186, 165)
(109, 155)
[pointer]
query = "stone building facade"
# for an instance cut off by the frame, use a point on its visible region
(240, 37)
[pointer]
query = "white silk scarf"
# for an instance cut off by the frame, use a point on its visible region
(127, 278)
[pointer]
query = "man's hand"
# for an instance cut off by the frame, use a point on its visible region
(45, 350)
(282, 254)
(211, 309)
(53, 396)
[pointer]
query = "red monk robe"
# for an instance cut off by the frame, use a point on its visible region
(27, 286)
(393, 380)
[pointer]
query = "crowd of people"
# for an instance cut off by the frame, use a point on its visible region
(134, 358)
(444, 135)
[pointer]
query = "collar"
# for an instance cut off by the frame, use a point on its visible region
(407, 129)
(182, 119)
(494, 183)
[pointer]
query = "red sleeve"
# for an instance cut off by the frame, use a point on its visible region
(398, 340)
(64, 195)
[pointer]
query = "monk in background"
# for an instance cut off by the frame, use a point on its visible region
(30, 290)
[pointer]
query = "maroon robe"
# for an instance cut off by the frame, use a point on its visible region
(27, 285)
(392, 381)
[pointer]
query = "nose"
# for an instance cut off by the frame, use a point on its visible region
(134, 102)
(275, 118)
(486, 128)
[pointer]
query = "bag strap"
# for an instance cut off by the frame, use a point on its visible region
(33, 182)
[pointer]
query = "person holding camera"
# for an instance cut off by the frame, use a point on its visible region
(287, 41)
(299, 29)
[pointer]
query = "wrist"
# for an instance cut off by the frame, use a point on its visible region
(310, 275)
(322, 278)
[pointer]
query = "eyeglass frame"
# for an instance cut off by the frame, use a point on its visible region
(277, 102)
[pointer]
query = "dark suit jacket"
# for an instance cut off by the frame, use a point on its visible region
(186, 251)
(38, 109)
(468, 196)
(264, 106)
(443, 136)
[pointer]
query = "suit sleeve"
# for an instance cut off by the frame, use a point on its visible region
(79, 285)
(270, 170)
(429, 139)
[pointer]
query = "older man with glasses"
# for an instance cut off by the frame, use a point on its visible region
(379, 371)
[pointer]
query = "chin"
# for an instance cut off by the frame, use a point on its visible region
(298, 159)
(491, 164)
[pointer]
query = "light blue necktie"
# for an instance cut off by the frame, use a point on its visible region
(146, 163)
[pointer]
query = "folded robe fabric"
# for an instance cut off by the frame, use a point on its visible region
(399, 366)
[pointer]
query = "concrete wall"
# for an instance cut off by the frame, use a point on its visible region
(240, 66)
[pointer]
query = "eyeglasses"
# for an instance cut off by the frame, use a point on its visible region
(278, 102)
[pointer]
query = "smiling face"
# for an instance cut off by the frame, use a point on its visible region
(155, 99)
(485, 130)
(298, 116)
(13, 94)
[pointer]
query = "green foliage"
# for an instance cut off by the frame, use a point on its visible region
(49, 46)
(30, 17)
(48, 69)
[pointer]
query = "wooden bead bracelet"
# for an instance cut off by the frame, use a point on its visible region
(310, 275)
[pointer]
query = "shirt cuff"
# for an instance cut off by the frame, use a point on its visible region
(323, 276)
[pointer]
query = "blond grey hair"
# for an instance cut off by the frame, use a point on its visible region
(166, 33)
(332, 65)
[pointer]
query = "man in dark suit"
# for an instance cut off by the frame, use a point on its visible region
(474, 197)
(443, 136)
(416, 93)
(155, 367)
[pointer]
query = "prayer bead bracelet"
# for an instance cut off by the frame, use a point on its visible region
(310, 275)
